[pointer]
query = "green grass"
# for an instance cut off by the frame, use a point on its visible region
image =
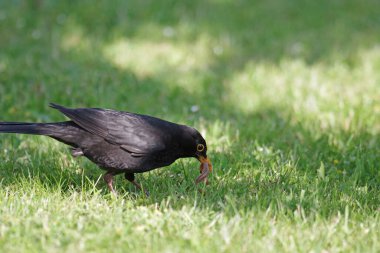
(288, 96)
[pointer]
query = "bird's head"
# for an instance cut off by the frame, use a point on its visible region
(196, 147)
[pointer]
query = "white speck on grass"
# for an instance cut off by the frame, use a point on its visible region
(61, 18)
(218, 50)
(36, 34)
(194, 108)
(3, 15)
(168, 31)
(297, 49)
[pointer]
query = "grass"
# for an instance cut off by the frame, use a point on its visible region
(285, 92)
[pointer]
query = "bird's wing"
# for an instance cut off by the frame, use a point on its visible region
(132, 132)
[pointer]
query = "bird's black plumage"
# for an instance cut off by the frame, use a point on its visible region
(120, 142)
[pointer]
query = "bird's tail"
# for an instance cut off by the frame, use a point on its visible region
(26, 128)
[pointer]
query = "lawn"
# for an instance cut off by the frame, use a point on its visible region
(286, 93)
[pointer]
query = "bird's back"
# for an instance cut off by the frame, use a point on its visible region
(124, 140)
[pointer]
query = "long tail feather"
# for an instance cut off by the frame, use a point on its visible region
(25, 128)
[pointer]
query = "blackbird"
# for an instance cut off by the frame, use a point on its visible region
(121, 142)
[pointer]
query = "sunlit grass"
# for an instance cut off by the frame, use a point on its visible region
(331, 94)
(152, 58)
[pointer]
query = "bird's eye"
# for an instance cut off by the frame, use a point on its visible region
(200, 147)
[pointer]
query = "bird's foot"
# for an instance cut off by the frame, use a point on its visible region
(138, 186)
(75, 152)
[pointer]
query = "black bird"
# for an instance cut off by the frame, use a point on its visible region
(121, 142)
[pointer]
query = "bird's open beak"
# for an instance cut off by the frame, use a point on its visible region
(205, 169)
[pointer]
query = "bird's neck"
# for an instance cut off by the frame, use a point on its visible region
(185, 145)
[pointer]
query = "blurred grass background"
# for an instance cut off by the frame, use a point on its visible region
(285, 92)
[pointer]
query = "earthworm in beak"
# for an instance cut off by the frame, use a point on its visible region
(205, 169)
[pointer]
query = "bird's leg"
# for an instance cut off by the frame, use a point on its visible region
(108, 177)
(131, 178)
